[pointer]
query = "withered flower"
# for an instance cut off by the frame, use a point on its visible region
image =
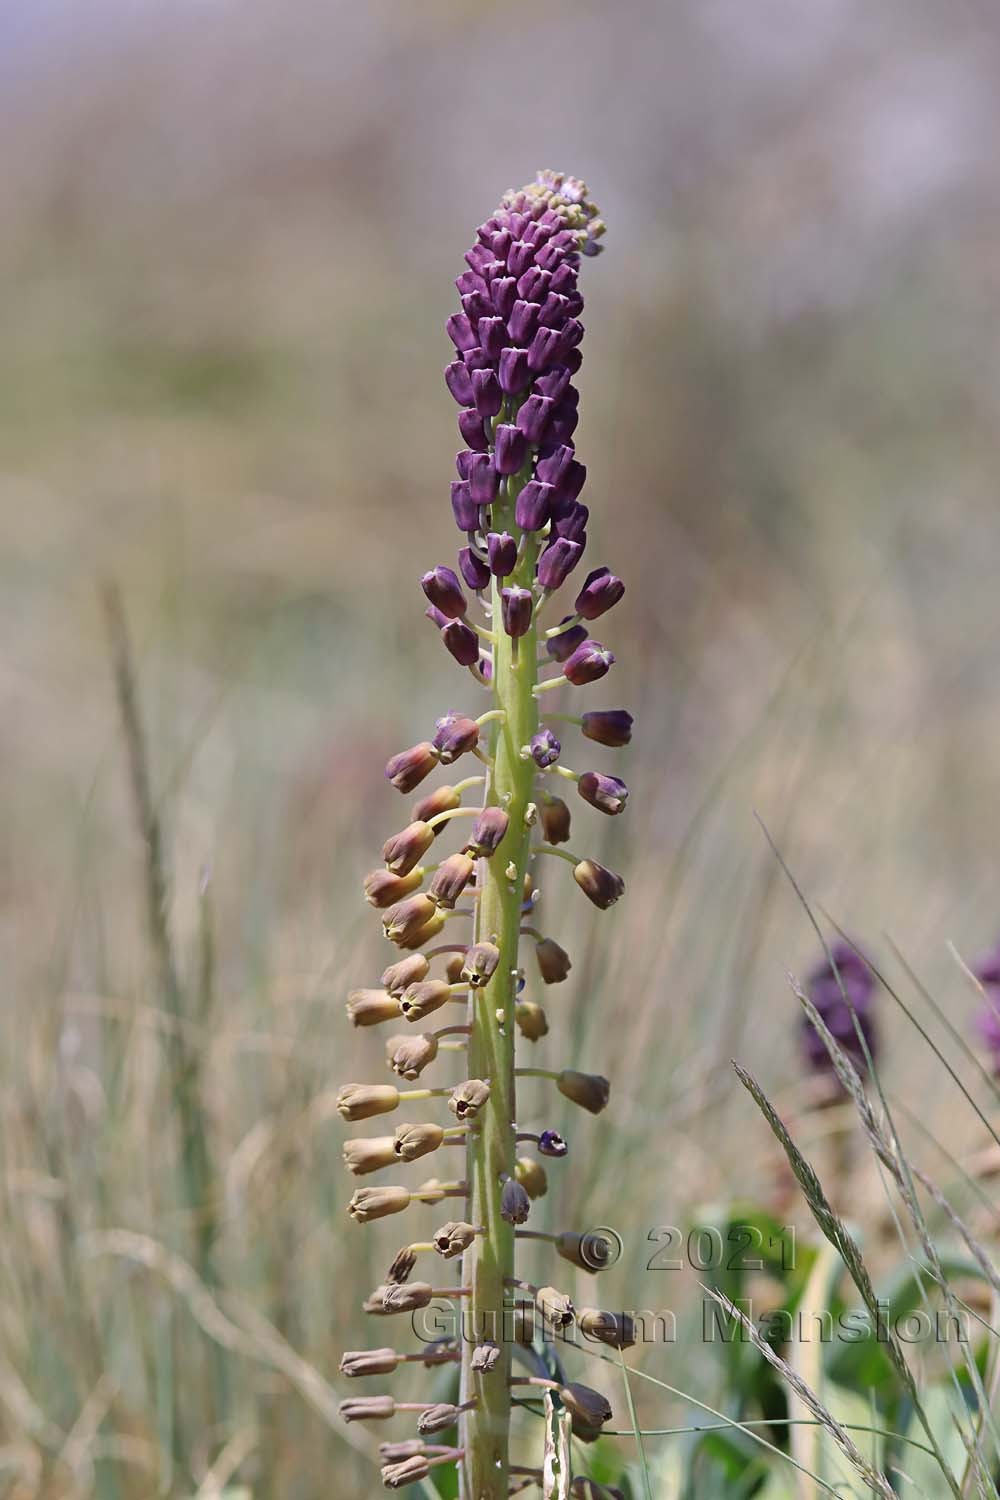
(553, 961)
(531, 1175)
(377, 1202)
(413, 1141)
(368, 1154)
(532, 1022)
(614, 1329)
(515, 1205)
(409, 1055)
(589, 1090)
(369, 1362)
(422, 999)
(452, 1238)
(480, 964)
(367, 1409)
(359, 1101)
(371, 1007)
(468, 1099)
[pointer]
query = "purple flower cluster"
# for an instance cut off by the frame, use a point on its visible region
(517, 347)
(825, 992)
(987, 971)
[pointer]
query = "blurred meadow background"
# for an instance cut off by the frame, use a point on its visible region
(228, 233)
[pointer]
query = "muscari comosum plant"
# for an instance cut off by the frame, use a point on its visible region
(516, 501)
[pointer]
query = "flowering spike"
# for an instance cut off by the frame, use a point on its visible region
(516, 338)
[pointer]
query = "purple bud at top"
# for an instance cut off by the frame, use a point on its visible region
(511, 446)
(550, 256)
(606, 793)
(610, 726)
(502, 550)
(561, 647)
(470, 425)
(500, 243)
(522, 322)
(601, 590)
(519, 257)
(458, 381)
(473, 570)
(531, 509)
(461, 332)
(514, 372)
(533, 285)
(442, 588)
(462, 642)
(545, 748)
(533, 416)
(516, 605)
(464, 508)
(544, 349)
(553, 465)
(572, 524)
(588, 662)
(504, 295)
(486, 392)
(557, 562)
(492, 336)
(482, 479)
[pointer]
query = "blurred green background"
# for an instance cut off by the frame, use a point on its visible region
(228, 232)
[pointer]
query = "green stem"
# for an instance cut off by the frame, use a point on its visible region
(489, 1260)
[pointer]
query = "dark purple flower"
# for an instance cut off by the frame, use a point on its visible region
(462, 642)
(482, 479)
(551, 1143)
(502, 549)
(470, 425)
(459, 382)
(511, 446)
(521, 325)
(455, 735)
(827, 993)
(588, 662)
(461, 332)
(463, 507)
(557, 562)
(573, 479)
(486, 392)
(492, 337)
(545, 748)
(606, 793)
(561, 647)
(516, 606)
(572, 524)
(408, 769)
(553, 464)
(987, 971)
(554, 383)
(531, 509)
(600, 591)
(544, 349)
(443, 590)
(609, 726)
(513, 371)
(533, 417)
(503, 293)
(473, 570)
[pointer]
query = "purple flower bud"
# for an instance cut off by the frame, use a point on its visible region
(478, 257)
(492, 336)
(502, 549)
(408, 769)
(500, 243)
(531, 509)
(554, 384)
(573, 333)
(444, 591)
(545, 748)
(473, 570)
(563, 279)
(435, 616)
(588, 662)
(544, 349)
(511, 445)
(464, 508)
(504, 295)
(470, 425)
(573, 360)
(482, 479)
(533, 285)
(533, 416)
(563, 424)
(514, 372)
(599, 884)
(610, 726)
(606, 793)
(456, 378)
(522, 323)
(519, 257)
(516, 605)
(557, 562)
(462, 462)
(487, 393)
(553, 465)
(600, 591)
(462, 642)
(551, 1143)
(477, 305)
(561, 647)
(572, 524)
(826, 991)
(475, 359)
(455, 735)
(471, 281)
(488, 832)
(460, 331)
(572, 481)
(554, 311)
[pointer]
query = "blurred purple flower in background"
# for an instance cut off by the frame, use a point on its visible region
(827, 993)
(987, 971)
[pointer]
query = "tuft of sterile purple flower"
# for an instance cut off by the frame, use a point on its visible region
(987, 971)
(827, 993)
